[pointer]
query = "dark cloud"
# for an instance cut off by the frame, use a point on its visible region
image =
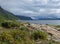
(32, 7)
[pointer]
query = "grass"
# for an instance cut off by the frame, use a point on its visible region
(15, 37)
(57, 26)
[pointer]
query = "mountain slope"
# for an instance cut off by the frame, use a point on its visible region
(24, 17)
(7, 15)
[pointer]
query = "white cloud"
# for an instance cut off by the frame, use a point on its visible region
(28, 12)
(57, 11)
(42, 10)
(44, 1)
(41, 2)
(55, 0)
(49, 11)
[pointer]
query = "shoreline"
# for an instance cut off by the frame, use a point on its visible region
(47, 28)
(50, 22)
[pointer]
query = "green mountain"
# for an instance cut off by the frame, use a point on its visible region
(23, 17)
(6, 15)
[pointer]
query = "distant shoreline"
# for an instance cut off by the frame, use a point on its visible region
(50, 22)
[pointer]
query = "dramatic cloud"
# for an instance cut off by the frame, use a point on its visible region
(31, 7)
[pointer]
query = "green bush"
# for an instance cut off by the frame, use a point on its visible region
(6, 37)
(5, 24)
(39, 35)
(10, 24)
(57, 26)
(24, 28)
(15, 37)
(28, 23)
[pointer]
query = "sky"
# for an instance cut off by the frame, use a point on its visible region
(32, 7)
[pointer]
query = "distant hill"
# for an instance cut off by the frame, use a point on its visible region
(46, 17)
(6, 15)
(24, 17)
(49, 19)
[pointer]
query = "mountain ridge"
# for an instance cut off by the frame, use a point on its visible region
(47, 17)
(24, 17)
(4, 14)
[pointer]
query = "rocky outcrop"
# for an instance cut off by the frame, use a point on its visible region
(49, 29)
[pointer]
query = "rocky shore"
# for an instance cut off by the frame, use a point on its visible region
(51, 30)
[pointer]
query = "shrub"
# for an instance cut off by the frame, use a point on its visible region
(24, 28)
(10, 24)
(28, 23)
(15, 37)
(39, 35)
(6, 38)
(5, 24)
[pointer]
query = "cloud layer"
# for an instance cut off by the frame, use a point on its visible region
(32, 7)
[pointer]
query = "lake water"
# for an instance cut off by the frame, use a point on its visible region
(51, 22)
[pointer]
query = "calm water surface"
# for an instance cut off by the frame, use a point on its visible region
(52, 22)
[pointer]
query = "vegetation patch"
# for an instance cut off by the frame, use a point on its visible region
(10, 24)
(15, 37)
(39, 35)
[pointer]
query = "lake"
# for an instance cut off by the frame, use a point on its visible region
(51, 22)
